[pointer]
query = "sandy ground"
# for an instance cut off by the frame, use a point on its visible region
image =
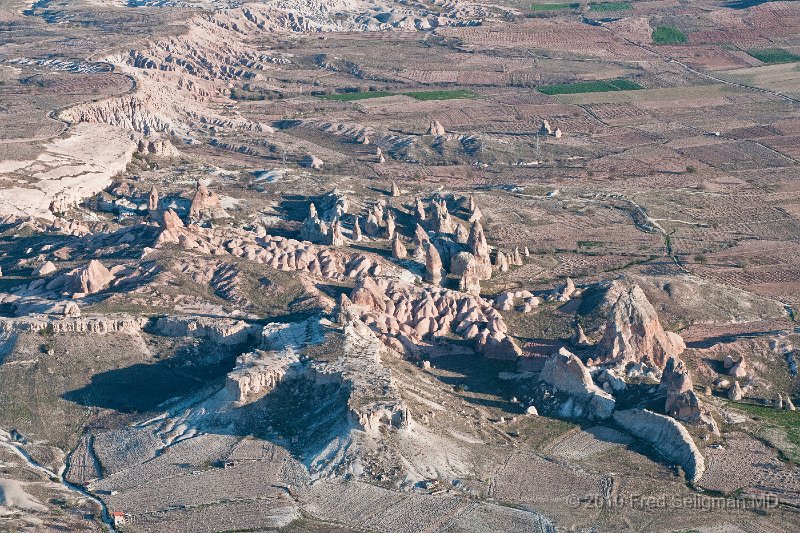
(75, 167)
(12, 494)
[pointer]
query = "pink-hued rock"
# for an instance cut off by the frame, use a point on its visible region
(480, 249)
(398, 248)
(634, 333)
(433, 264)
(203, 202)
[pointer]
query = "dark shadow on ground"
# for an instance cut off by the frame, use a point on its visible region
(474, 374)
(142, 387)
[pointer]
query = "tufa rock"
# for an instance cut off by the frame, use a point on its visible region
(357, 237)
(45, 269)
(470, 282)
(735, 392)
(634, 334)
(90, 279)
(480, 249)
(436, 128)
(398, 248)
(433, 264)
(203, 202)
(312, 162)
(501, 263)
(666, 435)
(567, 374)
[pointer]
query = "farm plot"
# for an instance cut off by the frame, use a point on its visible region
(784, 78)
(369, 507)
(581, 445)
(181, 458)
(746, 463)
(617, 114)
(736, 155)
(246, 481)
(598, 86)
(256, 515)
(568, 37)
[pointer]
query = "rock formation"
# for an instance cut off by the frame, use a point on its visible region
(579, 338)
(738, 369)
(441, 221)
(634, 334)
(312, 162)
(372, 227)
(568, 375)
(469, 281)
(152, 201)
(735, 392)
(676, 382)
(71, 310)
(507, 301)
(395, 190)
(398, 248)
(357, 237)
(501, 262)
(516, 257)
(45, 269)
(666, 435)
(90, 279)
(336, 236)
(565, 293)
(480, 249)
(204, 203)
(433, 264)
(420, 238)
(419, 210)
(436, 128)
(157, 148)
(391, 224)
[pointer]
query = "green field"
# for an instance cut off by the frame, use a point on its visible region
(553, 7)
(602, 7)
(669, 35)
(600, 86)
(772, 56)
(444, 94)
(453, 94)
(351, 97)
(771, 415)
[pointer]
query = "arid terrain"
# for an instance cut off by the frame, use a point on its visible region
(399, 266)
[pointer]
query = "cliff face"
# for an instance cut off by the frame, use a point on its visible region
(666, 435)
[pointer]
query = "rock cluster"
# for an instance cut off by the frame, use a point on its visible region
(568, 375)
(205, 204)
(508, 301)
(405, 316)
(157, 147)
(277, 252)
